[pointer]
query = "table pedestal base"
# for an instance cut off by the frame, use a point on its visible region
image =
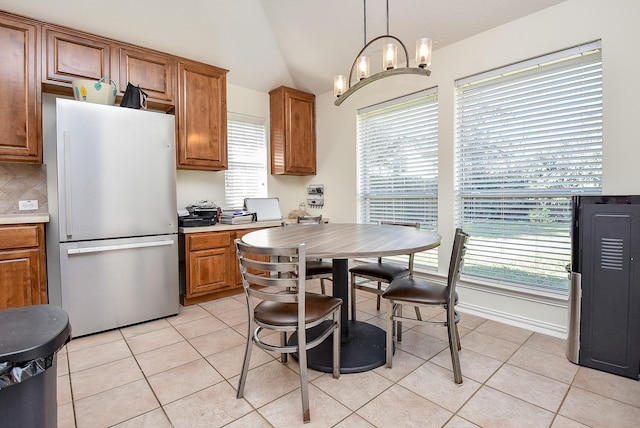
(363, 349)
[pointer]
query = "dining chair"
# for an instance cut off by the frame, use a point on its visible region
(421, 292)
(380, 272)
(317, 268)
(274, 286)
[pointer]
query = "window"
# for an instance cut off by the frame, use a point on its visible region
(528, 137)
(247, 173)
(398, 164)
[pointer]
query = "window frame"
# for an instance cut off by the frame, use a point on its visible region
(374, 123)
(245, 134)
(498, 250)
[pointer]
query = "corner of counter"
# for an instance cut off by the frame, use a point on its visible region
(24, 218)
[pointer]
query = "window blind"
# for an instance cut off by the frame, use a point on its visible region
(528, 137)
(398, 164)
(247, 173)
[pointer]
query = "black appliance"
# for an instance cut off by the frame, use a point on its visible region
(604, 301)
(193, 220)
(205, 214)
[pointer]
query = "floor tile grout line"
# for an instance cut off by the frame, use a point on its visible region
(520, 346)
(146, 378)
(225, 379)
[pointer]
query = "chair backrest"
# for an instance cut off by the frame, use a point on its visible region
(457, 260)
(407, 224)
(309, 219)
(274, 274)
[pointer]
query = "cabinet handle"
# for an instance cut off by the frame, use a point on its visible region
(101, 249)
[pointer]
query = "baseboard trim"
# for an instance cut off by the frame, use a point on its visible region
(514, 320)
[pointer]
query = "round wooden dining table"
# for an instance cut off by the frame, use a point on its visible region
(363, 345)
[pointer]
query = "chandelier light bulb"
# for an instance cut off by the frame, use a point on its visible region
(339, 84)
(389, 56)
(363, 67)
(423, 53)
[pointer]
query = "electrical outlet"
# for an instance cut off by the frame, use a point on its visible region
(29, 205)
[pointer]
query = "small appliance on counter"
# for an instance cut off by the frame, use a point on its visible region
(265, 209)
(201, 214)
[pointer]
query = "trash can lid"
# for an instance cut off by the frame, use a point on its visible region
(31, 332)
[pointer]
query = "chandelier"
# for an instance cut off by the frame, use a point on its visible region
(342, 87)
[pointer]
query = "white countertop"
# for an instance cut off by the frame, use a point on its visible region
(24, 218)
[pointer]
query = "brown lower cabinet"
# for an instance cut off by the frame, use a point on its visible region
(23, 276)
(209, 266)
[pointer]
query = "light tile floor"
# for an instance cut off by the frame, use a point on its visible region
(183, 371)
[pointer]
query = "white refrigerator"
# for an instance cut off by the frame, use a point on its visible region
(112, 245)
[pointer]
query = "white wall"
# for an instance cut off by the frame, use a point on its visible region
(568, 24)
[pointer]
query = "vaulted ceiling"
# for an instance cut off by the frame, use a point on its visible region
(268, 43)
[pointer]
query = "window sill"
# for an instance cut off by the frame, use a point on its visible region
(539, 296)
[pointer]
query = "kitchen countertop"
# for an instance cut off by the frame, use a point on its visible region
(222, 227)
(24, 218)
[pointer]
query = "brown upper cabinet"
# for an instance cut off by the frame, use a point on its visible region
(154, 73)
(20, 109)
(69, 55)
(293, 132)
(202, 116)
(38, 56)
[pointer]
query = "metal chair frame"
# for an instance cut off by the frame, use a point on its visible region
(424, 290)
(321, 270)
(276, 278)
(360, 271)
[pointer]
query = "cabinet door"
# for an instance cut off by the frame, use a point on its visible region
(69, 56)
(610, 308)
(210, 271)
(19, 278)
(20, 110)
(202, 117)
(22, 265)
(208, 263)
(153, 72)
(293, 135)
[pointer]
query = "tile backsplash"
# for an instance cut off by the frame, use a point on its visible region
(22, 181)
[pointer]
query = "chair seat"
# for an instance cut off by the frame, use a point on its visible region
(317, 306)
(418, 291)
(385, 271)
(318, 267)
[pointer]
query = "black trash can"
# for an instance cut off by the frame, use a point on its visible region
(30, 338)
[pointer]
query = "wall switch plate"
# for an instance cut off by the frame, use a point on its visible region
(28, 205)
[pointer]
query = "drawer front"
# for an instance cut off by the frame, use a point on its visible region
(206, 241)
(26, 236)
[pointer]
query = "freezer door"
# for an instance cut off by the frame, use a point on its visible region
(116, 171)
(117, 282)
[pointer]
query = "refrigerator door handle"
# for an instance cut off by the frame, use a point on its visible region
(101, 249)
(67, 182)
